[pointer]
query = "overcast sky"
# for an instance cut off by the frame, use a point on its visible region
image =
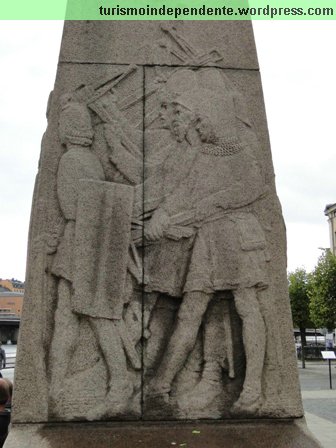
(298, 63)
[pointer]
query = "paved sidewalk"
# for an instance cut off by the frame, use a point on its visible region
(319, 400)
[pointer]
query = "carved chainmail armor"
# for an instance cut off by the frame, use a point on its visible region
(223, 147)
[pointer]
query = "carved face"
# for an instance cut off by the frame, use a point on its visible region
(182, 120)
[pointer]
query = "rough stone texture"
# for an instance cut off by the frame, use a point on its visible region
(156, 283)
(234, 41)
(256, 434)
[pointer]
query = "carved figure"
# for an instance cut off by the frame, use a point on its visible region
(159, 179)
(77, 165)
(227, 252)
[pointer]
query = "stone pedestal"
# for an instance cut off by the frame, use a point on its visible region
(233, 434)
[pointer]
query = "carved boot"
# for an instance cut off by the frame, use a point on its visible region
(158, 390)
(116, 402)
(157, 400)
(209, 387)
(248, 402)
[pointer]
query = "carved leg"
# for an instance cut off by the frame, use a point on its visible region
(229, 355)
(214, 351)
(136, 323)
(64, 338)
(120, 389)
(149, 304)
(254, 339)
(133, 318)
(109, 341)
(182, 341)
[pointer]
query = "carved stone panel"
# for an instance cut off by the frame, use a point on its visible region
(157, 272)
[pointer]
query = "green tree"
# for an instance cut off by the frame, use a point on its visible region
(298, 285)
(322, 291)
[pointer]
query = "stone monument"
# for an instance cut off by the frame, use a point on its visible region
(156, 298)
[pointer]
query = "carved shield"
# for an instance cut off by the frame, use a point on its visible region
(102, 239)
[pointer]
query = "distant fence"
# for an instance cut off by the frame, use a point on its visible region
(10, 360)
(311, 352)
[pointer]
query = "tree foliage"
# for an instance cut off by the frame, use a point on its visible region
(322, 291)
(298, 285)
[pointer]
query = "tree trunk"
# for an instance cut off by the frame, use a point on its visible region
(303, 345)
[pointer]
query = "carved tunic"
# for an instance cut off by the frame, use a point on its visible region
(228, 249)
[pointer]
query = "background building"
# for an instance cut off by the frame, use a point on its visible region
(10, 303)
(330, 211)
(12, 285)
(10, 312)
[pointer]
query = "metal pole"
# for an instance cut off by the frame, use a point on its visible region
(330, 381)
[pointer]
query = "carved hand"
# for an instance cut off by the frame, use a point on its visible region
(52, 243)
(156, 227)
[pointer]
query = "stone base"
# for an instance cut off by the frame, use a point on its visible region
(228, 434)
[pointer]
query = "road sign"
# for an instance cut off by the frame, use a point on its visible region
(329, 355)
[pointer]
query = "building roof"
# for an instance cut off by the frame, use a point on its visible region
(329, 208)
(11, 294)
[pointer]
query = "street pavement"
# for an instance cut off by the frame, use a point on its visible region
(319, 401)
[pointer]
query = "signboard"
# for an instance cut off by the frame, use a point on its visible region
(328, 355)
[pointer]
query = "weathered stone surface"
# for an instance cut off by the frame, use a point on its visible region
(235, 434)
(233, 40)
(156, 286)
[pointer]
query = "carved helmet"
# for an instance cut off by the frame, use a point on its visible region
(75, 122)
(181, 81)
(209, 98)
